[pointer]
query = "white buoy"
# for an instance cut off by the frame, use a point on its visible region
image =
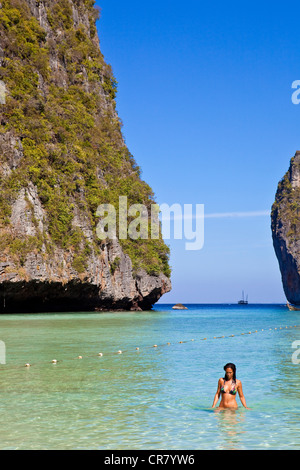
(54, 361)
(100, 354)
(27, 365)
(79, 357)
(120, 352)
(137, 349)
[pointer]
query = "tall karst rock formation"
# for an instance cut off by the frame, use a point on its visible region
(285, 220)
(62, 154)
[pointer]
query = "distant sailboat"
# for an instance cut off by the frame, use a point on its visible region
(243, 301)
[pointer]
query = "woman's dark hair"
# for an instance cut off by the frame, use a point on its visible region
(231, 366)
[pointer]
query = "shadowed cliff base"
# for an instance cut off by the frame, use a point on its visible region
(40, 297)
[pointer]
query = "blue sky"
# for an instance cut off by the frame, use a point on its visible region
(204, 94)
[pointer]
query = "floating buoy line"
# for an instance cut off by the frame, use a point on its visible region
(154, 346)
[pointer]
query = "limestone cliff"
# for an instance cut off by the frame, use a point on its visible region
(285, 220)
(62, 154)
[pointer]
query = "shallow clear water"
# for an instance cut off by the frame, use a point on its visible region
(155, 397)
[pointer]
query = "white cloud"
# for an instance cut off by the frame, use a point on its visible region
(220, 215)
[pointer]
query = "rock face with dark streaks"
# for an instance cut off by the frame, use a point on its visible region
(285, 220)
(62, 154)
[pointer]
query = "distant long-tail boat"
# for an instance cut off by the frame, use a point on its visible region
(291, 307)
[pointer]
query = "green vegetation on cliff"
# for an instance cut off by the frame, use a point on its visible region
(287, 203)
(60, 105)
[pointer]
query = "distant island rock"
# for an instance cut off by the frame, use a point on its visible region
(285, 223)
(62, 154)
(179, 307)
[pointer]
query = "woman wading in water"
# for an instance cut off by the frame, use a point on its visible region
(229, 386)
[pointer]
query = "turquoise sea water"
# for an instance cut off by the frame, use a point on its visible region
(154, 397)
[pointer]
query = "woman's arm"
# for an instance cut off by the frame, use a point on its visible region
(217, 395)
(241, 394)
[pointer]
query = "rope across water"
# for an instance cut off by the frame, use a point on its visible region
(154, 346)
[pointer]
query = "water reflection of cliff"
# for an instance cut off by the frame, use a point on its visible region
(230, 424)
(286, 379)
